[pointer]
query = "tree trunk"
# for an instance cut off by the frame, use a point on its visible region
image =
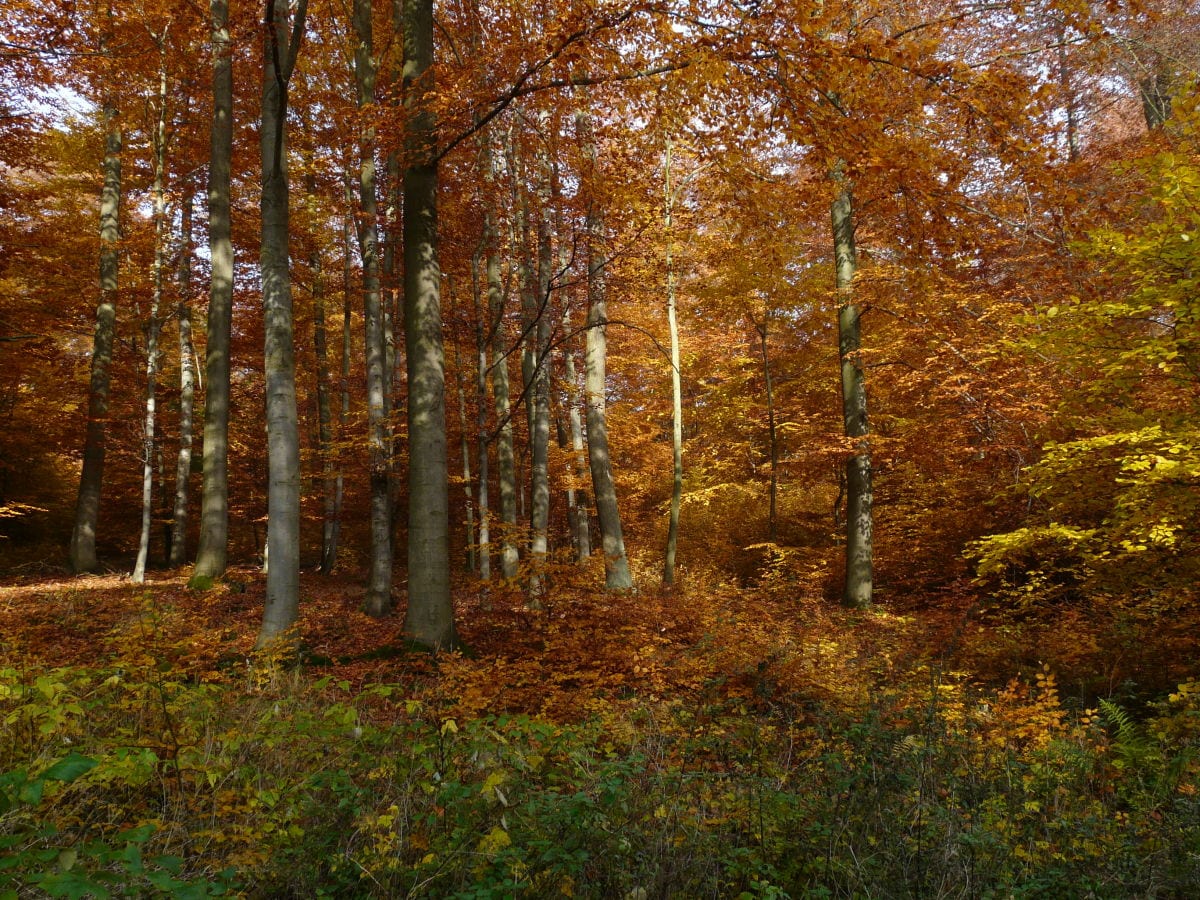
(576, 461)
(505, 457)
(325, 448)
(214, 505)
(468, 494)
(859, 551)
(153, 326)
(1155, 90)
(583, 531)
(772, 435)
(283, 433)
(483, 361)
(87, 509)
(676, 386)
(616, 565)
(333, 528)
(538, 400)
(187, 383)
(430, 617)
(378, 599)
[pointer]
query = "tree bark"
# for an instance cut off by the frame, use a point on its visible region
(576, 460)
(153, 326)
(859, 548)
(378, 599)
(214, 505)
(187, 383)
(87, 508)
(325, 448)
(676, 386)
(772, 435)
(483, 362)
(616, 565)
(468, 494)
(505, 456)
(538, 339)
(280, 46)
(430, 617)
(583, 531)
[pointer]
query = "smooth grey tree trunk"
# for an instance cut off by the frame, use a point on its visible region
(505, 456)
(483, 363)
(378, 599)
(430, 617)
(583, 531)
(616, 564)
(282, 607)
(214, 504)
(153, 325)
(538, 339)
(465, 448)
(859, 547)
(576, 459)
(676, 384)
(187, 382)
(87, 508)
(325, 448)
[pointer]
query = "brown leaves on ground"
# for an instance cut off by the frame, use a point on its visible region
(586, 653)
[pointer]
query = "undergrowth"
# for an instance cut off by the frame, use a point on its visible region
(124, 781)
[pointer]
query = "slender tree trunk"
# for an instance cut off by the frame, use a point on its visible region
(1068, 95)
(325, 448)
(1155, 90)
(334, 518)
(153, 326)
(468, 493)
(859, 547)
(576, 460)
(772, 435)
(583, 531)
(283, 434)
(539, 399)
(214, 505)
(87, 509)
(616, 565)
(378, 600)
(187, 383)
(676, 385)
(430, 617)
(482, 355)
(505, 456)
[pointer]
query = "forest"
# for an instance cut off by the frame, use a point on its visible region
(599, 448)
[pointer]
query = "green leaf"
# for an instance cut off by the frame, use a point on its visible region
(69, 768)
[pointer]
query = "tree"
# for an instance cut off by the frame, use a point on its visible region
(676, 386)
(214, 505)
(378, 600)
(153, 324)
(859, 581)
(87, 508)
(617, 576)
(187, 381)
(430, 617)
(280, 48)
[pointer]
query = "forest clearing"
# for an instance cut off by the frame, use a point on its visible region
(599, 448)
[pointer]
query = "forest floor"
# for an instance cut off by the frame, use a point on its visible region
(710, 739)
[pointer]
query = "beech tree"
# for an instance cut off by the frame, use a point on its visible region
(214, 506)
(378, 600)
(281, 45)
(87, 508)
(430, 617)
